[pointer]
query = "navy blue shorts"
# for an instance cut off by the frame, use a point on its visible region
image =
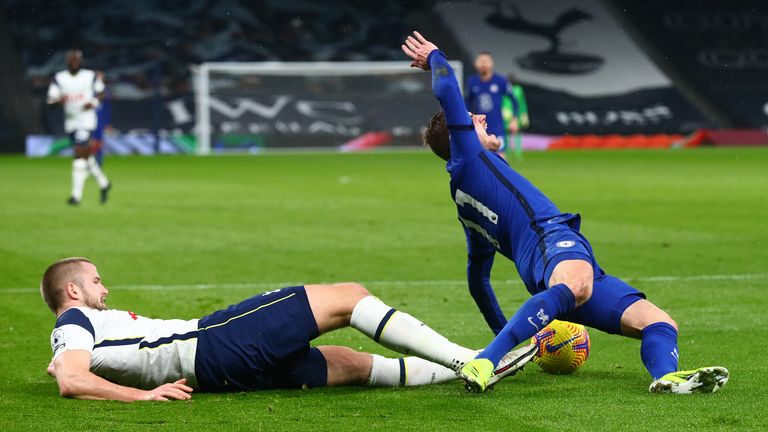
(260, 343)
(80, 137)
(610, 295)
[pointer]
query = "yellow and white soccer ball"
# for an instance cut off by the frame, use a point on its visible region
(562, 347)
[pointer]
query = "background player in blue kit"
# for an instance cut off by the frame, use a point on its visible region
(503, 212)
(484, 95)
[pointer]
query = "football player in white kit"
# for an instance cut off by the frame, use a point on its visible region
(79, 91)
(260, 343)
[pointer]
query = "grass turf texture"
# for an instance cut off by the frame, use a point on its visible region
(233, 226)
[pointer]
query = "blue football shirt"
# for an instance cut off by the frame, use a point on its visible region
(500, 209)
(484, 97)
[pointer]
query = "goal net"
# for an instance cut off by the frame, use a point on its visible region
(344, 105)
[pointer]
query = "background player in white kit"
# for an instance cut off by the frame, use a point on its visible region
(260, 343)
(79, 91)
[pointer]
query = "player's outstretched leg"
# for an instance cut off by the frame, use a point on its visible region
(340, 305)
(570, 286)
(350, 304)
(660, 356)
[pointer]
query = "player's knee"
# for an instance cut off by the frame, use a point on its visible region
(581, 286)
(578, 276)
(582, 290)
(663, 317)
(354, 291)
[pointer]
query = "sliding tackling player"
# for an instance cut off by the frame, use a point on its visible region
(260, 343)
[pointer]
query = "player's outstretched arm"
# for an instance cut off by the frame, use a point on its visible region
(479, 265)
(426, 56)
(72, 371)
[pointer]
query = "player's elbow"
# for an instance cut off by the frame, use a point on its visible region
(442, 88)
(70, 386)
(66, 389)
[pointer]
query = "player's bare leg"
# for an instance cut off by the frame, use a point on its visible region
(346, 366)
(570, 286)
(340, 305)
(577, 275)
(350, 304)
(640, 315)
(349, 367)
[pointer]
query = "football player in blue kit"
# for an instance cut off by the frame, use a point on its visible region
(502, 212)
(484, 95)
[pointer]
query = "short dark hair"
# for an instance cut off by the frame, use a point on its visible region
(488, 53)
(436, 136)
(57, 276)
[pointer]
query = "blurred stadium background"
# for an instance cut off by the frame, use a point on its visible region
(597, 73)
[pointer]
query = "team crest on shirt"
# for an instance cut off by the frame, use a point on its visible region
(494, 88)
(565, 243)
(57, 340)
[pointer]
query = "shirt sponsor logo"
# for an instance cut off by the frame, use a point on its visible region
(565, 243)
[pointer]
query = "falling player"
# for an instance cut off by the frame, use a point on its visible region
(260, 343)
(79, 91)
(503, 212)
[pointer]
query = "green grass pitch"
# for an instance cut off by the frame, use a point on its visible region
(183, 236)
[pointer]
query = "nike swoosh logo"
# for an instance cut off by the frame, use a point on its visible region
(530, 320)
(553, 348)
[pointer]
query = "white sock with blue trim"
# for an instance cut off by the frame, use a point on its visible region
(407, 371)
(405, 334)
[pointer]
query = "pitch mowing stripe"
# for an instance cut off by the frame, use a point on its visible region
(406, 283)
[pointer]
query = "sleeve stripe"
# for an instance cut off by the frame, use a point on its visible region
(118, 342)
(76, 317)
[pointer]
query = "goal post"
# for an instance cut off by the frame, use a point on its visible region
(295, 105)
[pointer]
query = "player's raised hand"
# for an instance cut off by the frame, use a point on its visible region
(176, 390)
(418, 48)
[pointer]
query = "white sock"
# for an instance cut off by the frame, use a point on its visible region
(79, 174)
(408, 371)
(96, 171)
(405, 334)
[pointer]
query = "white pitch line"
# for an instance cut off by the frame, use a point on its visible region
(407, 283)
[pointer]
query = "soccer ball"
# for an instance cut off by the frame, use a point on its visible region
(562, 347)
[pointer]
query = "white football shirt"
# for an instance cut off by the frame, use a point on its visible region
(76, 90)
(129, 349)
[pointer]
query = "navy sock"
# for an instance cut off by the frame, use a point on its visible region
(533, 315)
(659, 349)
